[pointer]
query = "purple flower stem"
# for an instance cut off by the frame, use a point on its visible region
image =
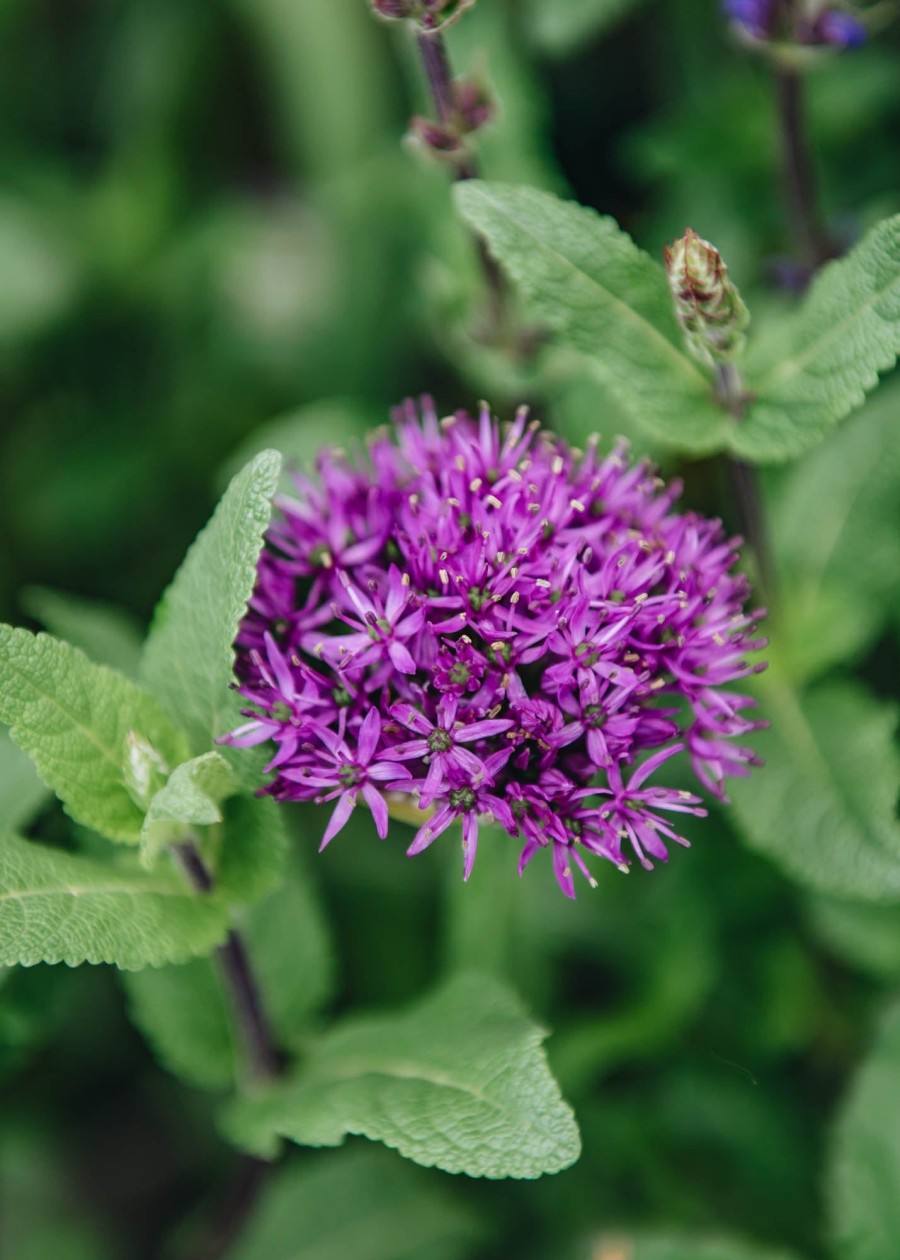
(797, 167)
(436, 62)
(747, 490)
(256, 1038)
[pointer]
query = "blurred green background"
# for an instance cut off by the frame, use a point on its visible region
(211, 238)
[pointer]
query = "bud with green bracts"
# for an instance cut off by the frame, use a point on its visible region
(708, 306)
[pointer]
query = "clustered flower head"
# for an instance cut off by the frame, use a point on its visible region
(486, 624)
(806, 22)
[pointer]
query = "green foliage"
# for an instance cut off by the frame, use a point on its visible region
(74, 718)
(299, 435)
(864, 1179)
(61, 907)
(459, 1082)
(819, 366)
(358, 1203)
(588, 280)
(105, 633)
(248, 851)
(864, 935)
(824, 806)
(559, 27)
(183, 1011)
(190, 798)
(683, 1247)
(189, 656)
(22, 794)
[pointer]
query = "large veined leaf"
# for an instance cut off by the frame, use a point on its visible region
(459, 1082)
(587, 279)
(61, 907)
(864, 1178)
(76, 721)
(357, 1203)
(829, 355)
(189, 655)
(183, 1010)
(824, 805)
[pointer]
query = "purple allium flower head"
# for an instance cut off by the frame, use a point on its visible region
(491, 624)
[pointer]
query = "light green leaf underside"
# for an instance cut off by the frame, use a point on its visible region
(182, 1010)
(108, 635)
(864, 1178)
(22, 794)
(73, 717)
(586, 278)
(559, 27)
(829, 355)
(824, 806)
(361, 1204)
(190, 798)
(60, 907)
(189, 656)
(459, 1082)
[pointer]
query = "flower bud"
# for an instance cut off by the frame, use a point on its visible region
(474, 104)
(765, 22)
(430, 15)
(440, 140)
(144, 771)
(708, 307)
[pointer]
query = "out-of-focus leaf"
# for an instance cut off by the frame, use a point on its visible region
(75, 719)
(108, 635)
(300, 435)
(559, 27)
(61, 907)
(359, 1203)
(248, 851)
(866, 936)
(189, 656)
(459, 1082)
(41, 272)
(588, 280)
(863, 1186)
(823, 362)
(22, 794)
(824, 806)
(183, 1012)
(677, 1246)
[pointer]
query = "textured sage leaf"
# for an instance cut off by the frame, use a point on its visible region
(108, 635)
(459, 1082)
(836, 524)
(587, 279)
(189, 655)
(183, 1011)
(74, 719)
(863, 1195)
(824, 806)
(362, 1204)
(22, 794)
(62, 907)
(559, 27)
(824, 361)
(190, 798)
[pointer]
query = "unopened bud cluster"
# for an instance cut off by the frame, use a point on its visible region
(472, 108)
(708, 306)
(795, 22)
(430, 15)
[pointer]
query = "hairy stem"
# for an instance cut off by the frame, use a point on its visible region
(797, 167)
(438, 72)
(256, 1039)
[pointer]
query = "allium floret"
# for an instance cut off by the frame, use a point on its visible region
(495, 626)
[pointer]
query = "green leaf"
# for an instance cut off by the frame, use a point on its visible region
(864, 1174)
(189, 656)
(824, 806)
(74, 720)
(108, 635)
(864, 935)
(824, 361)
(300, 435)
(559, 27)
(359, 1203)
(690, 1247)
(248, 851)
(458, 1082)
(836, 523)
(586, 278)
(61, 907)
(22, 794)
(190, 798)
(183, 1012)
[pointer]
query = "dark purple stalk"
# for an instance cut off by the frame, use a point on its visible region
(797, 167)
(256, 1039)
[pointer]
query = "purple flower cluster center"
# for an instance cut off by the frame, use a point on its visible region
(483, 623)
